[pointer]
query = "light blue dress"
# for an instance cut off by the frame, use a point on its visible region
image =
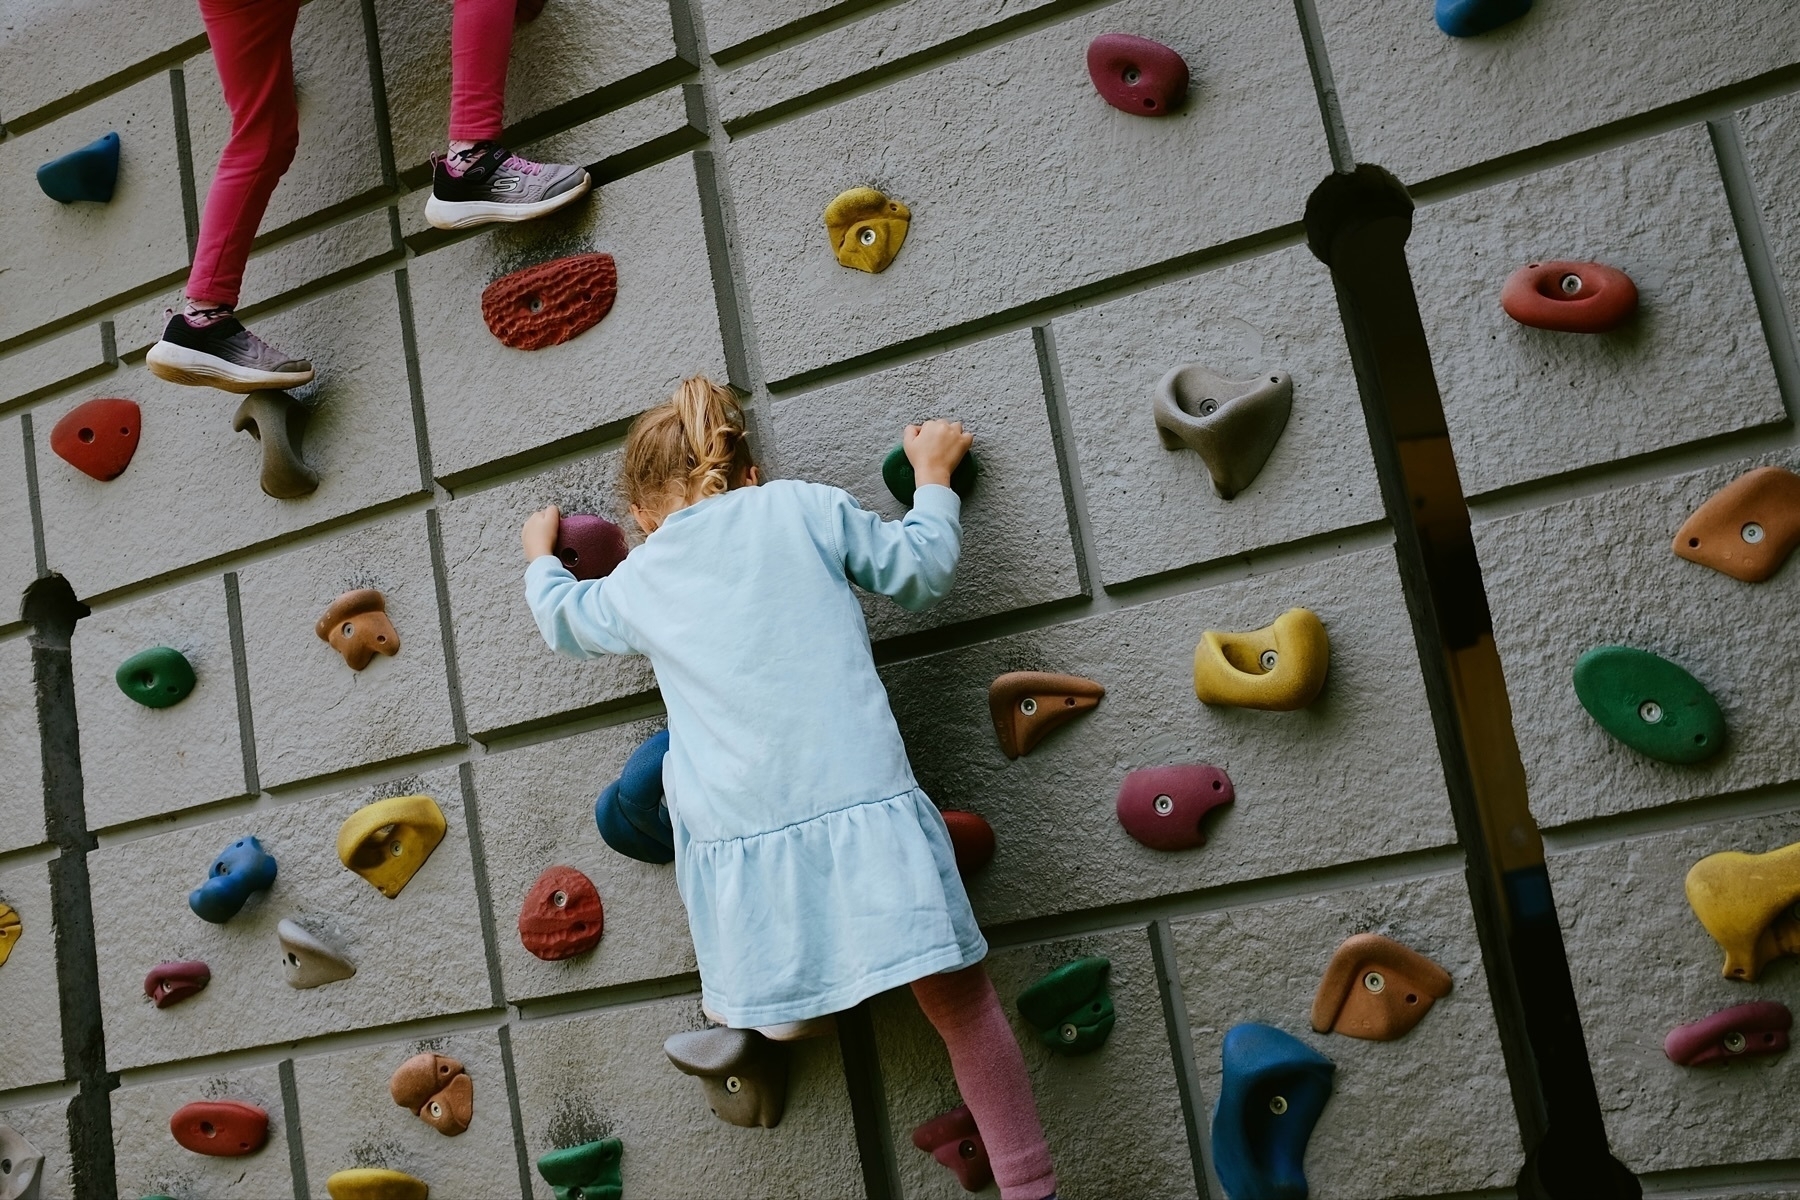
(814, 870)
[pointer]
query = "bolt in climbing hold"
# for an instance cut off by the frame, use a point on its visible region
(562, 915)
(1164, 807)
(1136, 75)
(375, 1183)
(1235, 668)
(1232, 424)
(307, 961)
(89, 173)
(1377, 989)
(954, 1141)
(743, 1073)
(1650, 704)
(1755, 1030)
(1570, 297)
(550, 303)
(98, 437)
(1746, 903)
(971, 839)
(220, 1128)
(19, 1165)
(897, 473)
(1026, 705)
(1070, 1007)
(10, 929)
(240, 869)
(388, 841)
(631, 814)
(1468, 18)
(589, 1171)
(437, 1090)
(589, 546)
(357, 627)
(156, 678)
(278, 422)
(172, 982)
(866, 228)
(1274, 1089)
(1747, 528)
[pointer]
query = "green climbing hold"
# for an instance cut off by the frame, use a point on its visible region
(1650, 704)
(1070, 1008)
(157, 677)
(589, 1171)
(897, 473)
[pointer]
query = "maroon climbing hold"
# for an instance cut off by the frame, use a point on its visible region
(1742, 1031)
(590, 546)
(99, 437)
(172, 982)
(1137, 75)
(1570, 297)
(972, 838)
(561, 916)
(220, 1128)
(1163, 807)
(552, 302)
(953, 1140)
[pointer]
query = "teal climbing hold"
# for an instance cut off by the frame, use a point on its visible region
(589, 1171)
(1469, 18)
(1274, 1089)
(156, 678)
(85, 174)
(1650, 704)
(1070, 1007)
(897, 473)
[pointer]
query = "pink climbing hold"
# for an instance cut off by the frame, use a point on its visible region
(1137, 75)
(954, 1141)
(1752, 1030)
(590, 546)
(1163, 807)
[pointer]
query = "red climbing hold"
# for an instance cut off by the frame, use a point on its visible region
(590, 546)
(220, 1128)
(954, 1141)
(1163, 807)
(172, 982)
(99, 437)
(1570, 297)
(972, 838)
(1137, 75)
(561, 916)
(552, 302)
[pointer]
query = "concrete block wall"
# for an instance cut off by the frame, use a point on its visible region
(1062, 257)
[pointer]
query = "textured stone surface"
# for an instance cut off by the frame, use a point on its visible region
(46, 1127)
(1022, 182)
(45, 364)
(1525, 403)
(114, 35)
(28, 990)
(417, 955)
(1016, 548)
(1303, 779)
(537, 811)
(148, 1160)
(1598, 571)
(1770, 133)
(21, 783)
(1436, 1102)
(313, 714)
(18, 559)
(1112, 1118)
(733, 22)
(1422, 104)
(605, 1075)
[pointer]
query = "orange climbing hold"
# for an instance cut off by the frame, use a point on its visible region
(1377, 989)
(1026, 705)
(357, 627)
(552, 302)
(98, 437)
(220, 1128)
(1570, 297)
(1748, 528)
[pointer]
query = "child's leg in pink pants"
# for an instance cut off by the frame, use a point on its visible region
(481, 35)
(990, 1071)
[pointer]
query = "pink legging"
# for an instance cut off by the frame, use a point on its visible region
(252, 45)
(990, 1071)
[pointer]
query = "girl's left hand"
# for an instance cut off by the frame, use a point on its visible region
(539, 534)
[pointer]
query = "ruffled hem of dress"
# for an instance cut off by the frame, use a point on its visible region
(950, 959)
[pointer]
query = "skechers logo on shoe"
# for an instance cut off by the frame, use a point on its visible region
(508, 183)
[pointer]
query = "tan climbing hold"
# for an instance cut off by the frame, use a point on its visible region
(1746, 903)
(278, 423)
(437, 1089)
(1748, 528)
(866, 228)
(1232, 424)
(388, 841)
(552, 302)
(10, 929)
(375, 1183)
(306, 960)
(1376, 988)
(357, 626)
(743, 1073)
(1026, 705)
(1278, 668)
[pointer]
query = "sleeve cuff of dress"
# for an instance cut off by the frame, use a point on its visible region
(936, 498)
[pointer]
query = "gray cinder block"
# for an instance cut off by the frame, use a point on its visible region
(113, 35)
(1769, 132)
(18, 558)
(22, 783)
(45, 364)
(46, 1127)
(29, 992)
(149, 1160)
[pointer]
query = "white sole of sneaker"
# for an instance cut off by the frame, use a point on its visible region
(460, 214)
(179, 364)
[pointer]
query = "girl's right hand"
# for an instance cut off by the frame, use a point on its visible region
(539, 534)
(934, 449)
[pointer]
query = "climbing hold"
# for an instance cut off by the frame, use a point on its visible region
(1467, 18)
(1746, 902)
(1650, 704)
(1232, 424)
(10, 929)
(220, 1128)
(550, 303)
(589, 1171)
(1748, 528)
(308, 962)
(1755, 1030)
(1274, 1089)
(590, 546)
(89, 173)
(278, 422)
(437, 1089)
(1070, 1007)
(1026, 705)
(562, 915)
(971, 838)
(1164, 807)
(240, 869)
(1569, 297)
(1278, 668)
(526, 11)
(157, 677)
(357, 626)
(866, 229)
(631, 813)
(743, 1073)
(388, 841)
(172, 982)
(375, 1183)
(897, 473)
(98, 437)
(1377, 989)
(954, 1141)
(1136, 75)
(19, 1165)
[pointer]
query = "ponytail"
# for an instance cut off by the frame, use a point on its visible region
(692, 447)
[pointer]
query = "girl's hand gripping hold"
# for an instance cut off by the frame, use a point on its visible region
(934, 449)
(539, 534)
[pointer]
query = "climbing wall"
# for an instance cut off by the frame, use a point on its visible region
(1064, 254)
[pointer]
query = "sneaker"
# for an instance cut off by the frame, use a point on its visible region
(498, 185)
(224, 355)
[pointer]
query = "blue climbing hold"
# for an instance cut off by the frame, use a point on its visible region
(85, 174)
(1274, 1089)
(631, 813)
(1470, 18)
(241, 868)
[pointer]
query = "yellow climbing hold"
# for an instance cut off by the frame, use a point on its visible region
(10, 929)
(1746, 902)
(388, 841)
(1279, 668)
(867, 229)
(375, 1183)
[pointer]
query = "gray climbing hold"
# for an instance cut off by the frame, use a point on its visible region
(307, 961)
(278, 422)
(19, 1164)
(1232, 425)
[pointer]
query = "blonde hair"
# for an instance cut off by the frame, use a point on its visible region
(693, 447)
